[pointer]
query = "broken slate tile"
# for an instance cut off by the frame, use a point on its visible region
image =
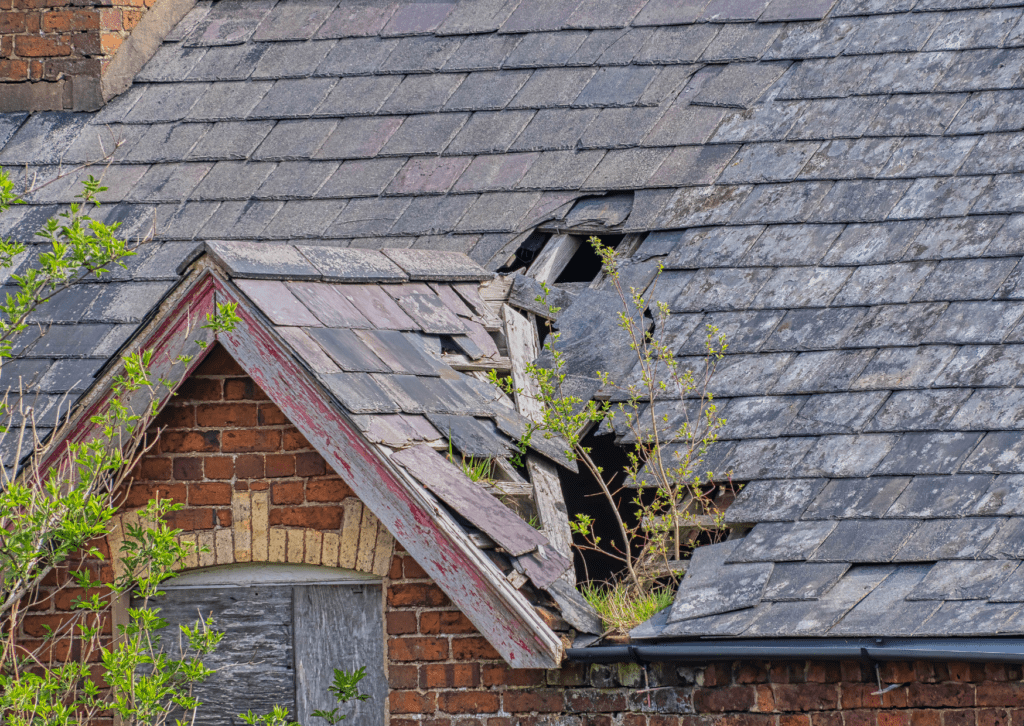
(796, 581)
(359, 393)
(740, 85)
(740, 587)
(347, 350)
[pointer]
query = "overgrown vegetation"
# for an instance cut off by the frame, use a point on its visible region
(57, 508)
(669, 411)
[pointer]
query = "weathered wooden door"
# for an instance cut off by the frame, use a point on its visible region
(281, 645)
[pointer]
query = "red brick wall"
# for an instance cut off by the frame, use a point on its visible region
(43, 43)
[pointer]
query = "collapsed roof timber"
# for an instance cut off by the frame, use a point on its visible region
(833, 184)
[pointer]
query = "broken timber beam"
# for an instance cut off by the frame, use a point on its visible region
(554, 257)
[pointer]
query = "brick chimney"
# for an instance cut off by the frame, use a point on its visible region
(75, 55)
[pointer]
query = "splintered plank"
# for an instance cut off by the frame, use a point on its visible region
(470, 499)
(547, 495)
(544, 566)
(554, 257)
(523, 348)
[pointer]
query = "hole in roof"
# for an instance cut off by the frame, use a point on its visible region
(585, 264)
(526, 253)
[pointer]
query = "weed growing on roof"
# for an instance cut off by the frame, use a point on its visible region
(622, 609)
(668, 490)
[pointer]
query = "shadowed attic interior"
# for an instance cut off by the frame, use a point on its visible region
(835, 185)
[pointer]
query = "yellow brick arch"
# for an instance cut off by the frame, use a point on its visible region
(361, 543)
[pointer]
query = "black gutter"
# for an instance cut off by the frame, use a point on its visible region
(973, 650)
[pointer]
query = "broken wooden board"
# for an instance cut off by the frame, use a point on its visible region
(550, 503)
(523, 348)
(554, 258)
(543, 566)
(470, 500)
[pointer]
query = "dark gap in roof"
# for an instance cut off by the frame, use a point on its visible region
(448, 345)
(585, 265)
(526, 253)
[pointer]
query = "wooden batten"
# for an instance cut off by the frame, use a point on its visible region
(554, 258)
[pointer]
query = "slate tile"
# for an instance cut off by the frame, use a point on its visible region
(755, 458)
(1008, 240)
(670, 12)
(999, 451)
(757, 163)
(893, 34)
(919, 410)
(906, 73)
(428, 175)
(1015, 36)
(600, 14)
(428, 266)
(232, 180)
(693, 165)
(741, 42)
(885, 607)
(295, 20)
(498, 212)
(797, 287)
(163, 102)
(790, 202)
(355, 56)
(836, 118)
(740, 589)
(495, 173)
(296, 179)
(293, 98)
(998, 69)
(553, 129)
(169, 182)
(861, 201)
(972, 618)
(619, 128)
(814, 329)
(905, 367)
(295, 139)
(748, 375)
(940, 539)
(487, 90)
(43, 138)
(994, 154)
(422, 93)
(918, 157)
(561, 170)
(306, 218)
(167, 142)
(95, 143)
(668, 84)
(417, 18)
(552, 87)
(832, 370)
(705, 247)
(988, 112)
(940, 497)
(773, 501)
(345, 265)
(740, 85)
(359, 96)
(291, 59)
(229, 100)
(698, 206)
(351, 138)
(545, 50)
(482, 52)
(871, 7)
(240, 220)
(189, 23)
(826, 78)
(896, 325)
(975, 322)
(685, 125)
(615, 47)
(966, 279)
(616, 86)
(846, 455)
(479, 17)
(170, 63)
(983, 365)
(433, 215)
(360, 178)
(856, 498)
(268, 261)
(796, 10)
(229, 23)
(967, 30)
(760, 416)
(929, 453)
(864, 541)
(626, 168)
(351, 20)
(348, 350)
(768, 121)
(940, 197)
(228, 140)
(174, 221)
(489, 132)
(420, 55)
(1002, 196)
(78, 340)
(677, 44)
(68, 375)
(872, 243)
(721, 289)
(954, 238)
(905, 115)
(813, 40)
(368, 217)
(532, 15)
(796, 581)
(781, 542)
(228, 63)
(359, 393)
(882, 284)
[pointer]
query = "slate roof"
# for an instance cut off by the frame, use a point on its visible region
(836, 184)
